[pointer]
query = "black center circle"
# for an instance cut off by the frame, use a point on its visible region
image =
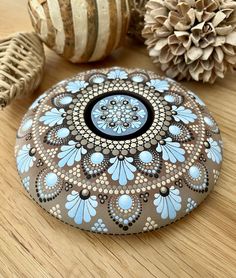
(119, 115)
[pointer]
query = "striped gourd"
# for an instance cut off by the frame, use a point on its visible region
(81, 30)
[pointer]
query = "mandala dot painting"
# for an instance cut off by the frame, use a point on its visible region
(118, 151)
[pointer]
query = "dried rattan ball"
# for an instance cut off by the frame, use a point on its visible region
(192, 39)
(137, 19)
(21, 66)
(81, 30)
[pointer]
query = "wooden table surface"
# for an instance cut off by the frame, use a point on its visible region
(34, 244)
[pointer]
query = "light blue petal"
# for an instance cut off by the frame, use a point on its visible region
(129, 166)
(171, 209)
(198, 100)
(112, 168)
(159, 85)
(53, 117)
(164, 213)
(80, 210)
(122, 170)
(36, 102)
(117, 74)
(171, 151)
(93, 201)
(91, 208)
(72, 197)
(159, 203)
(167, 206)
(184, 115)
(86, 214)
(73, 207)
(122, 175)
(71, 157)
(176, 197)
(79, 214)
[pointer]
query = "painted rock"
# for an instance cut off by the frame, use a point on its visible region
(118, 151)
(81, 30)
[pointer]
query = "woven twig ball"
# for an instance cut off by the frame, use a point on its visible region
(21, 66)
(138, 10)
(192, 39)
(81, 30)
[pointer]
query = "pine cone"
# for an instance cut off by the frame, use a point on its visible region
(192, 39)
(137, 19)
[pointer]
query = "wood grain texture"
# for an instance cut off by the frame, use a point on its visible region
(34, 244)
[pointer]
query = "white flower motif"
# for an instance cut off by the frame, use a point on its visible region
(122, 169)
(25, 158)
(53, 117)
(171, 150)
(150, 225)
(216, 175)
(221, 144)
(183, 114)
(159, 85)
(56, 211)
(214, 151)
(76, 86)
(191, 205)
(197, 98)
(99, 227)
(26, 183)
(117, 74)
(81, 206)
(168, 202)
(70, 154)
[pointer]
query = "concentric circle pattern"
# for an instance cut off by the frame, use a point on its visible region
(118, 151)
(118, 116)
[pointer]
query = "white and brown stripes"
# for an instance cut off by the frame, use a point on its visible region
(81, 30)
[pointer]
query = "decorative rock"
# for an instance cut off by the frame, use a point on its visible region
(21, 66)
(81, 30)
(118, 151)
